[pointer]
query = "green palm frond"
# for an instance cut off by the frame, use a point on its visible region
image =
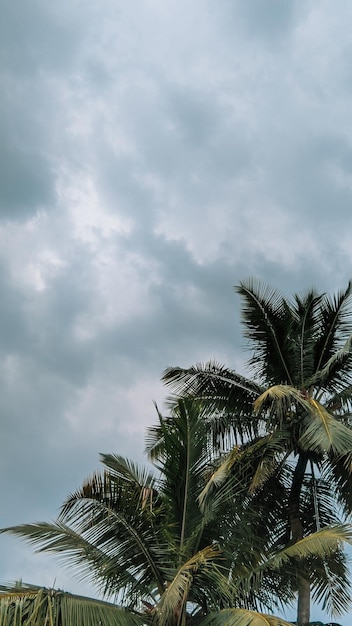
(114, 492)
(267, 319)
(220, 475)
(336, 368)
(228, 396)
(177, 592)
(205, 380)
(104, 545)
(299, 343)
(284, 397)
(318, 544)
(183, 460)
(331, 583)
(243, 471)
(324, 433)
(27, 605)
(318, 504)
(243, 617)
(340, 403)
(339, 477)
(125, 469)
(335, 324)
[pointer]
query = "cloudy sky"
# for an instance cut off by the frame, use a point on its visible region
(152, 154)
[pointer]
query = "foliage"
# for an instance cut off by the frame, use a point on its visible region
(22, 605)
(294, 414)
(171, 547)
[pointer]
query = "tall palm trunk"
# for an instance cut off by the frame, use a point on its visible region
(303, 584)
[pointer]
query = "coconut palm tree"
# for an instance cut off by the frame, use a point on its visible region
(174, 547)
(297, 401)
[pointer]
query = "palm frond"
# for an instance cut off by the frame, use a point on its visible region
(323, 433)
(302, 336)
(243, 617)
(243, 470)
(182, 455)
(28, 605)
(335, 324)
(318, 544)
(338, 475)
(220, 475)
(209, 379)
(178, 589)
(336, 368)
(264, 315)
(106, 548)
(228, 396)
(331, 583)
(124, 469)
(281, 402)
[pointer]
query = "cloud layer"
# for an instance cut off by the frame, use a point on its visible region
(151, 156)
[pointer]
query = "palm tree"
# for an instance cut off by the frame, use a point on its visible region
(297, 402)
(172, 548)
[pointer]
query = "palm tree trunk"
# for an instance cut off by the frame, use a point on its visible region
(303, 605)
(303, 584)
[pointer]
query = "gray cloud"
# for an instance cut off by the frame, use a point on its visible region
(149, 160)
(271, 21)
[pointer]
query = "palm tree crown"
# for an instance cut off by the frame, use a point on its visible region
(298, 404)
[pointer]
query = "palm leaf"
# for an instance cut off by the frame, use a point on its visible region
(284, 397)
(243, 617)
(331, 583)
(28, 605)
(324, 433)
(335, 322)
(318, 544)
(180, 448)
(100, 553)
(228, 396)
(264, 315)
(177, 590)
(125, 469)
(341, 357)
(243, 470)
(302, 325)
(339, 478)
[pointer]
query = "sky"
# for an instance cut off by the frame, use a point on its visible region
(152, 155)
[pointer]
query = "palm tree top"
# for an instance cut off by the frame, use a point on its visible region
(303, 342)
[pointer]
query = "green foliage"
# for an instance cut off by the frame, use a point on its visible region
(185, 544)
(28, 605)
(292, 419)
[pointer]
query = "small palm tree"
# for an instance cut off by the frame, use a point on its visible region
(296, 409)
(171, 548)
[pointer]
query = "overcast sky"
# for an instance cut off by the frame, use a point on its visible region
(153, 153)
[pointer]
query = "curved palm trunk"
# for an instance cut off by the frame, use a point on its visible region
(303, 584)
